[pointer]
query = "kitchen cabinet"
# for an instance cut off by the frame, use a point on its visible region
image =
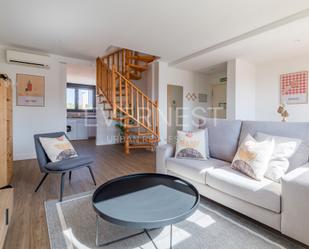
(92, 127)
(80, 128)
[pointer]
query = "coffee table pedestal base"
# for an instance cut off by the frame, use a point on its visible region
(98, 244)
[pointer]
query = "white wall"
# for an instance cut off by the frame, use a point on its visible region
(191, 82)
(28, 121)
(268, 85)
(81, 74)
(107, 132)
(241, 90)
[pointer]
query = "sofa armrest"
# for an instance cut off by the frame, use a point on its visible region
(295, 204)
(163, 152)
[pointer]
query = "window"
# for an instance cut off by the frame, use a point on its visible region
(70, 98)
(80, 97)
(85, 99)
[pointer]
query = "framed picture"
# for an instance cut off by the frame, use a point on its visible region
(202, 98)
(294, 88)
(30, 90)
(222, 105)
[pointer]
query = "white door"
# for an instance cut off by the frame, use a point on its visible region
(219, 101)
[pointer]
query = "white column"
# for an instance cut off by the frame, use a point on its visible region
(162, 80)
(241, 90)
(230, 90)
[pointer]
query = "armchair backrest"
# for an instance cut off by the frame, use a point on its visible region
(40, 152)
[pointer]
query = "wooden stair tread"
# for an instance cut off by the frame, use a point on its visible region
(120, 118)
(104, 102)
(141, 146)
(144, 58)
(134, 76)
(118, 95)
(132, 126)
(138, 67)
(136, 133)
(146, 139)
(107, 102)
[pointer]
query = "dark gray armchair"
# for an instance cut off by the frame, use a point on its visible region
(61, 167)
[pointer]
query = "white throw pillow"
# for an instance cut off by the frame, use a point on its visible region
(191, 145)
(284, 149)
(252, 157)
(58, 148)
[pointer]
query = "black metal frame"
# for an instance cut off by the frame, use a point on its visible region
(81, 86)
(98, 244)
(62, 180)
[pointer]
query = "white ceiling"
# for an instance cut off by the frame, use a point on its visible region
(215, 69)
(171, 29)
(285, 42)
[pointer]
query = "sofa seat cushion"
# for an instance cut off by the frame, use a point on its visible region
(265, 193)
(194, 169)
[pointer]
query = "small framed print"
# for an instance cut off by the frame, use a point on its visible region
(202, 98)
(30, 90)
(294, 88)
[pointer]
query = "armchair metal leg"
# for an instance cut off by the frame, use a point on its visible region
(70, 175)
(92, 176)
(41, 182)
(61, 186)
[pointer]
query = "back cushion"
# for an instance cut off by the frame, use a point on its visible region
(283, 129)
(223, 138)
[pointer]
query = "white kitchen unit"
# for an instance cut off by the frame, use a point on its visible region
(92, 127)
(71, 128)
(78, 128)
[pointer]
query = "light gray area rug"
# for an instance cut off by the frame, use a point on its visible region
(72, 225)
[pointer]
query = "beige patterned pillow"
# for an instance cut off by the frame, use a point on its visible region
(191, 145)
(252, 157)
(58, 148)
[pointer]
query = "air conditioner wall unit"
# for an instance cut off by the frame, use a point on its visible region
(28, 59)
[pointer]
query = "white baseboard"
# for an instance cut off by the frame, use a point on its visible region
(24, 156)
(106, 143)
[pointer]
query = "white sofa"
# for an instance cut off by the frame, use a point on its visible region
(283, 206)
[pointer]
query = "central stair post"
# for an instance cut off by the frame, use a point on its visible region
(126, 137)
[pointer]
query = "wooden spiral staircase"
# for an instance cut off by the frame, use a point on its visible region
(136, 113)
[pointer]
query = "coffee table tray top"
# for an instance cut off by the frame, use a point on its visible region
(145, 201)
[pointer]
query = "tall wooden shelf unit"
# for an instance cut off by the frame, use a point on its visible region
(6, 139)
(6, 157)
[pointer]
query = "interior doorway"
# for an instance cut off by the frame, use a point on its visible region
(81, 102)
(218, 101)
(174, 111)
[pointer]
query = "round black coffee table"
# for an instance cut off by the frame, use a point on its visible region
(144, 201)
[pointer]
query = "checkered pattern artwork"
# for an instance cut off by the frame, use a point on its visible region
(191, 96)
(294, 88)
